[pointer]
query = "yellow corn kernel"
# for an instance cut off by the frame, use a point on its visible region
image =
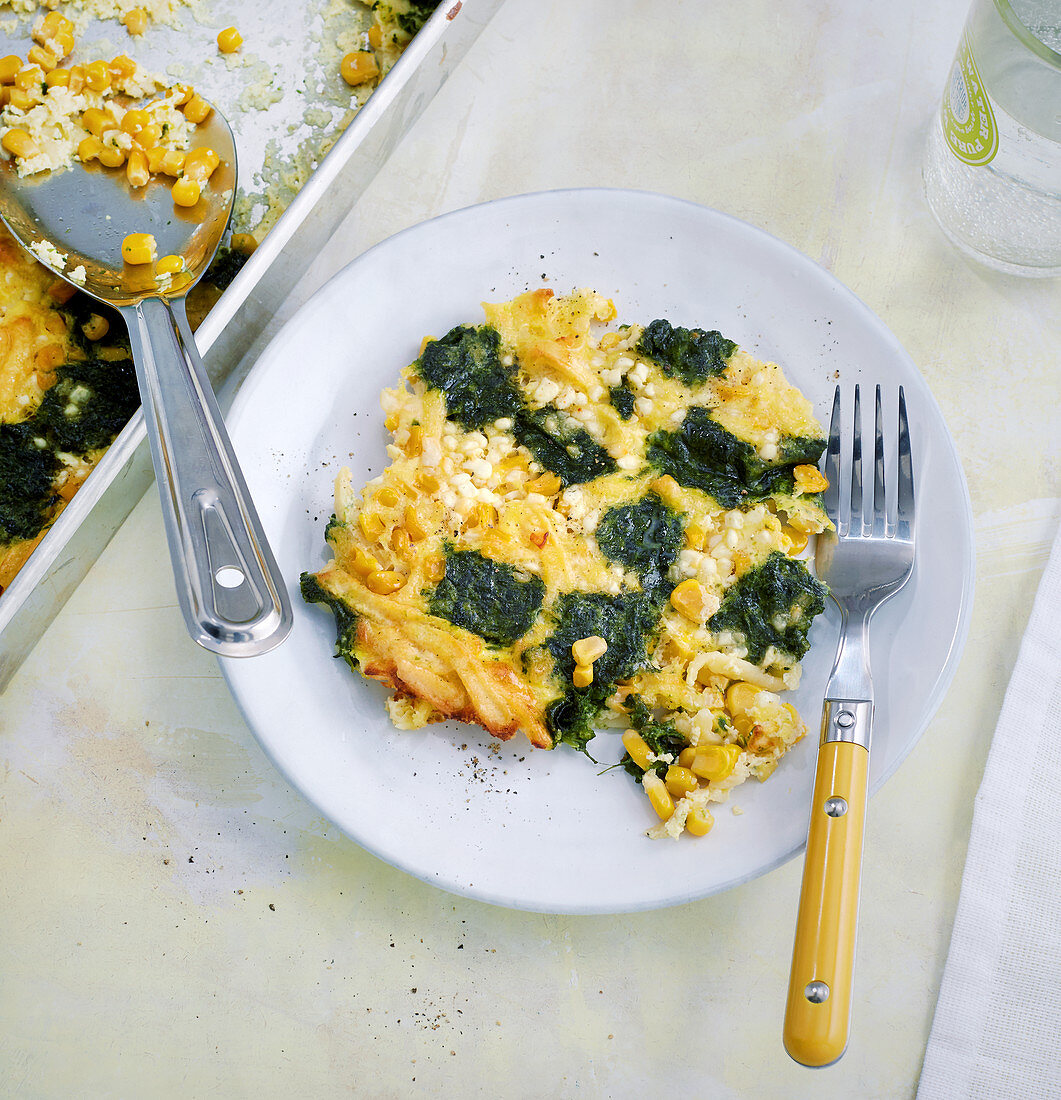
(112, 354)
(96, 121)
(43, 58)
(435, 568)
(715, 762)
(391, 422)
(364, 563)
(658, 795)
(121, 67)
(548, 484)
(47, 359)
(415, 443)
(199, 164)
(698, 821)
(244, 242)
(666, 487)
(19, 144)
(387, 497)
(139, 248)
(186, 192)
(20, 98)
(795, 540)
(371, 525)
(375, 36)
(172, 163)
(149, 136)
(358, 68)
(384, 581)
(88, 149)
(197, 110)
(427, 481)
(587, 650)
(49, 26)
(135, 20)
(9, 68)
(229, 40)
(155, 155)
(809, 479)
(58, 78)
(695, 535)
(638, 748)
(29, 79)
(65, 41)
(61, 291)
(169, 265)
(740, 696)
(134, 120)
(609, 340)
(96, 327)
(401, 544)
(98, 76)
(136, 171)
(685, 757)
(688, 599)
(680, 781)
(582, 676)
(417, 531)
(485, 514)
(111, 156)
(181, 93)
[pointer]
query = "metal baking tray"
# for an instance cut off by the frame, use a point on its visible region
(86, 525)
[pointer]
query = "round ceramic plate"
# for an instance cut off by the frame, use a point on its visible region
(552, 831)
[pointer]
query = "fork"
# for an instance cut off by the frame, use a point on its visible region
(867, 559)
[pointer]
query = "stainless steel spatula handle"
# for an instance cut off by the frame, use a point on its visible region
(228, 584)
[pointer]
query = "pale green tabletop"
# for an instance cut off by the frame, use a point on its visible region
(175, 921)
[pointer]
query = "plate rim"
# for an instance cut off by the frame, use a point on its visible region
(934, 698)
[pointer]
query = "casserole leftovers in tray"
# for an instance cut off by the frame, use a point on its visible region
(67, 385)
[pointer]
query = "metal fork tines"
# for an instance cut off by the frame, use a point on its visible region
(868, 558)
(871, 554)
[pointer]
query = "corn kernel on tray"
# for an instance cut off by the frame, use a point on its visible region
(274, 71)
(286, 90)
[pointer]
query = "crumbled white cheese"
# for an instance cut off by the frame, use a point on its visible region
(48, 254)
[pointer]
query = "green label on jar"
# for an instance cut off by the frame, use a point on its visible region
(968, 121)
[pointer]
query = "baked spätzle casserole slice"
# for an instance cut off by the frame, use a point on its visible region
(586, 525)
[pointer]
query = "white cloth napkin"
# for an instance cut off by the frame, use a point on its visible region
(997, 1028)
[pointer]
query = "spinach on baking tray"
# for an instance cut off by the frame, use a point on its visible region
(466, 365)
(486, 597)
(89, 403)
(701, 454)
(772, 604)
(345, 620)
(625, 621)
(409, 15)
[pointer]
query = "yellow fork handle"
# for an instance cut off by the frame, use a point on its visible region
(818, 1012)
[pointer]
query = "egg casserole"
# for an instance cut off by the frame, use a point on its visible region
(583, 528)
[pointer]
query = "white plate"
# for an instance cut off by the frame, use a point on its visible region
(505, 823)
